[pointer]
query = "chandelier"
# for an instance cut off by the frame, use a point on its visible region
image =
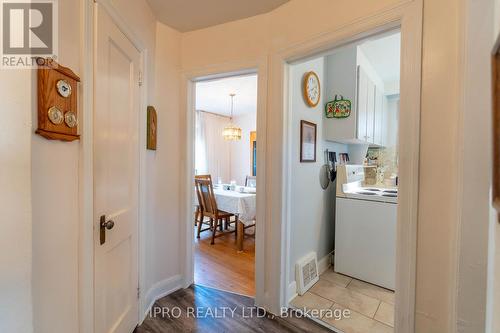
(231, 132)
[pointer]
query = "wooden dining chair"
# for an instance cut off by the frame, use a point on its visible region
(251, 181)
(208, 205)
(198, 214)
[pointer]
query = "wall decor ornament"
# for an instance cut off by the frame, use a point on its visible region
(312, 89)
(152, 128)
(63, 88)
(308, 137)
(338, 108)
(55, 116)
(70, 119)
(57, 102)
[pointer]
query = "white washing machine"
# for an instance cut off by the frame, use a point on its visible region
(365, 229)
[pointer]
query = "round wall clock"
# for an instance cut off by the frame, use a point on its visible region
(312, 89)
(63, 88)
(55, 116)
(70, 119)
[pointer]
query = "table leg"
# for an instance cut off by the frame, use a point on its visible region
(235, 226)
(240, 233)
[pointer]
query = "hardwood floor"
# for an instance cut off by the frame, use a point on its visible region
(209, 304)
(221, 266)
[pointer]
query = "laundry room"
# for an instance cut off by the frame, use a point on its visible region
(343, 185)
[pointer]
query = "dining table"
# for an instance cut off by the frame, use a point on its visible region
(241, 202)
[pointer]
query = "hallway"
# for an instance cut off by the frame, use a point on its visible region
(209, 305)
(98, 147)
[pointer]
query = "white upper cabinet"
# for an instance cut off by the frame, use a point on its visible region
(340, 79)
(362, 104)
(380, 118)
(350, 75)
(370, 112)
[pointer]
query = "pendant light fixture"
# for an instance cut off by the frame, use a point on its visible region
(232, 132)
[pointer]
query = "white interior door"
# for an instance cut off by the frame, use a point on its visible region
(116, 177)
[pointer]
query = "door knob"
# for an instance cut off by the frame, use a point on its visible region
(109, 225)
(103, 226)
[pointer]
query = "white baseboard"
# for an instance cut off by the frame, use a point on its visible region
(291, 291)
(159, 290)
(325, 263)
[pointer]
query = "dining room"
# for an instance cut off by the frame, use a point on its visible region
(224, 202)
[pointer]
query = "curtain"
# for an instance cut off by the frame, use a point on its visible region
(212, 152)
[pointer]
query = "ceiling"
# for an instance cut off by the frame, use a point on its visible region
(189, 15)
(384, 55)
(213, 96)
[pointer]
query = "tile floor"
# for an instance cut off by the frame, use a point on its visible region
(371, 307)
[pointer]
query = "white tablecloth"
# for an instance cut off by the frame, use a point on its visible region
(243, 204)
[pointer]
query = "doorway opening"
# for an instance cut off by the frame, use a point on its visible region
(343, 126)
(225, 171)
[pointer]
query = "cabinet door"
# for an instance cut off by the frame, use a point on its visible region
(370, 111)
(361, 102)
(379, 117)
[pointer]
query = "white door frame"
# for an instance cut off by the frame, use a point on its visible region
(273, 237)
(188, 82)
(408, 18)
(86, 180)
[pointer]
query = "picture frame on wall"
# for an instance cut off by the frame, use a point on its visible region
(152, 127)
(308, 137)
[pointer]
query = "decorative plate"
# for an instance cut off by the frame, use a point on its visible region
(312, 89)
(70, 119)
(63, 88)
(55, 116)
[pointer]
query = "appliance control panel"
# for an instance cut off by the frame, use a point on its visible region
(354, 173)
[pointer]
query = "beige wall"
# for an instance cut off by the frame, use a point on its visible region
(15, 202)
(259, 36)
(55, 205)
(163, 181)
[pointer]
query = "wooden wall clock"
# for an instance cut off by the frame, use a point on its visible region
(57, 102)
(312, 89)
